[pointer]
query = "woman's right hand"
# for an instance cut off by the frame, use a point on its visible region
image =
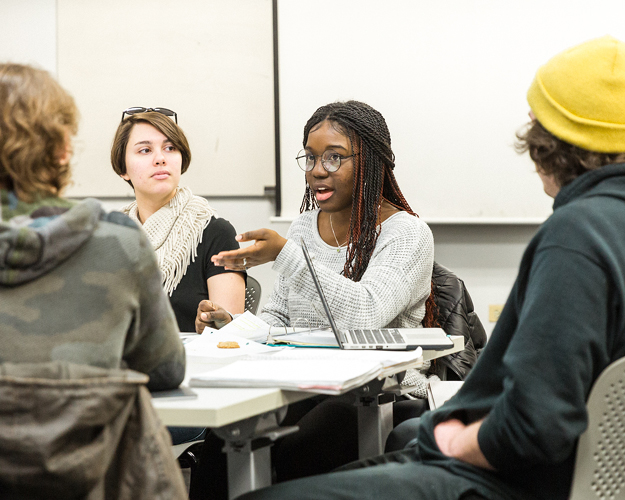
(211, 315)
(267, 245)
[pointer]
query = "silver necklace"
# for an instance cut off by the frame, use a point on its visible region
(335, 238)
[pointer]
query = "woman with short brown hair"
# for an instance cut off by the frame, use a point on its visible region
(150, 152)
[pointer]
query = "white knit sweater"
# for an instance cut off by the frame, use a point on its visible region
(392, 291)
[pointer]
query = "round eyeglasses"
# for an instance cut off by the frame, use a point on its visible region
(330, 160)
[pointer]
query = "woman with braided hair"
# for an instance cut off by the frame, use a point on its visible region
(373, 255)
(374, 259)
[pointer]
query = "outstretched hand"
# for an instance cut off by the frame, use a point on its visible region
(267, 245)
(211, 315)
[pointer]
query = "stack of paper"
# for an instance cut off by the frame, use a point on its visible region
(315, 370)
(249, 326)
(204, 354)
(391, 361)
(325, 377)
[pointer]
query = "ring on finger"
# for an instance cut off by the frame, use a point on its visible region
(244, 262)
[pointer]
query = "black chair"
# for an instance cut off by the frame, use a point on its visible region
(252, 295)
(456, 315)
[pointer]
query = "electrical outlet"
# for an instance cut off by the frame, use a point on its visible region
(494, 310)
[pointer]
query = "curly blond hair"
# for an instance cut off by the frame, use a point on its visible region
(37, 119)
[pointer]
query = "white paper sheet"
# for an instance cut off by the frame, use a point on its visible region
(205, 345)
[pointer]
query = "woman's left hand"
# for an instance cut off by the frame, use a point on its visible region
(267, 245)
(211, 315)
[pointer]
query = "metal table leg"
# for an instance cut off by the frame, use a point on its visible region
(247, 447)
(375, 417)
(248, 468)
(375, 423)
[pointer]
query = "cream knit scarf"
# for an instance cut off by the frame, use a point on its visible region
(175, 231)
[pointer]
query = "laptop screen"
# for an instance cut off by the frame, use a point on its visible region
(324, 302)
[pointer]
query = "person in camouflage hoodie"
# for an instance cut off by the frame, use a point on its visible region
(77, 284)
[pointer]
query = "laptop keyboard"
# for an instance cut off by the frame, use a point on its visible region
(376, 337)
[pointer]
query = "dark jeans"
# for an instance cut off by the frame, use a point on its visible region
(210, 479)
(403, 436)
(399, 475)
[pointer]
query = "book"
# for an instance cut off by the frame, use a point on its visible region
(312, 370)
(440, 391)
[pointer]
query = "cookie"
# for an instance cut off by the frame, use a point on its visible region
(228, 345)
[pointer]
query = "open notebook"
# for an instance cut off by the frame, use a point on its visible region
(395, 339)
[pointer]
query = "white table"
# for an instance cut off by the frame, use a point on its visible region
(248, 420)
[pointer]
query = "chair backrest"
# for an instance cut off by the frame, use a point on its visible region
(454, 301)
(252, 295)
(600, 460)
(456, 316)
(77, 431)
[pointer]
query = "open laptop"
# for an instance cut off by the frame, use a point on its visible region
(393, 339)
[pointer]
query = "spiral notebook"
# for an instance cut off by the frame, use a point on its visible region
(395, 339)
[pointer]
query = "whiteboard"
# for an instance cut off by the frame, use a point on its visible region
(211, 61)
(450, 77)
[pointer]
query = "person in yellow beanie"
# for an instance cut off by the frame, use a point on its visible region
(512, 429)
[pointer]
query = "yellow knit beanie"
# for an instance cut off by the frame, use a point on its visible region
(579, 95)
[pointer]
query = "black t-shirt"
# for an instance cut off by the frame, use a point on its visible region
(192, 289)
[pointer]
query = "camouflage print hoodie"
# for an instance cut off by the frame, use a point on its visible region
(83, 286)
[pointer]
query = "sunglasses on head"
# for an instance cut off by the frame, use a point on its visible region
(138, 109)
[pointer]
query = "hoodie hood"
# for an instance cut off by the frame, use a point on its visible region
(16, 210)
(593, 183)
(30, 247)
